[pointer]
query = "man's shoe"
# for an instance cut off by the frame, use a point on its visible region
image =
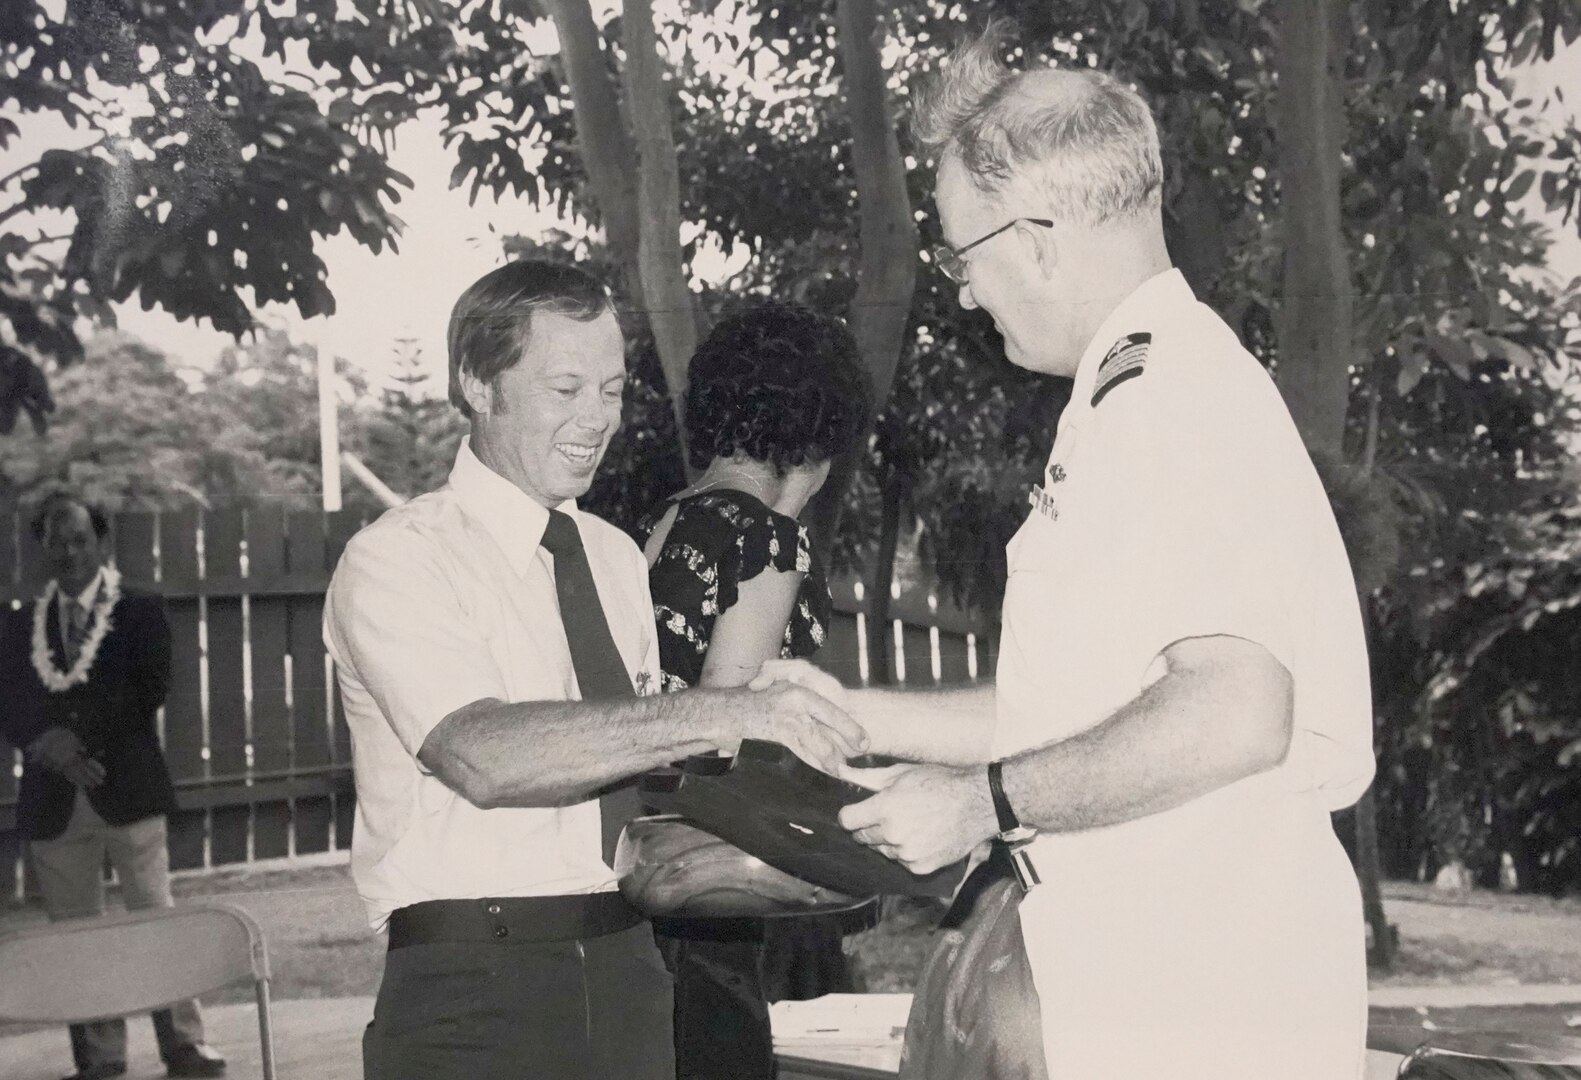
(195, 1059)
(102, 1071)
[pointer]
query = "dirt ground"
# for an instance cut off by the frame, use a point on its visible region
(320, 945)
(1482, 937)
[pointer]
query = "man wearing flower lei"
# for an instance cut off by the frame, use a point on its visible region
(83, 672)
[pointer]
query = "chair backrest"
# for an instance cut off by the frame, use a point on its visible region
(82, 969)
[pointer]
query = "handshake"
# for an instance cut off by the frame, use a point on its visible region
(923, 816)
(795, 704)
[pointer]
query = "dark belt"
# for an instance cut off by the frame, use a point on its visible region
(512, 919)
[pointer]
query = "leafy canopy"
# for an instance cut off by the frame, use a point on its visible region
(206, 176)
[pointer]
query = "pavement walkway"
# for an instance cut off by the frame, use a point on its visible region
(1473, 996)
(320, 1038)
(315, 1039)
(316, 931)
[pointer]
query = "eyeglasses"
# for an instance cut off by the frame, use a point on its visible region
(949, 259)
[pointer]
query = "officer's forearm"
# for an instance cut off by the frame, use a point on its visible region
(1221, 713)
(940, 727)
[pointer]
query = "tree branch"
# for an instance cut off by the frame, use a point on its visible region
(15, 173)
(12, 211)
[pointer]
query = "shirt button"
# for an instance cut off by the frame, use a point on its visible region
(494, 909)
(501, 931)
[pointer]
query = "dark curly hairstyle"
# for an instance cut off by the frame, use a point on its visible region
(778, 383)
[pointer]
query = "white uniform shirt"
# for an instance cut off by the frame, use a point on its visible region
(1222, 938)
(441, 602)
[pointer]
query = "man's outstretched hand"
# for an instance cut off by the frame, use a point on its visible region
(801, 673)
(922, 816)
(814, 728)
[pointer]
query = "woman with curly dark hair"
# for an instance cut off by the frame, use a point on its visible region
(772, 396)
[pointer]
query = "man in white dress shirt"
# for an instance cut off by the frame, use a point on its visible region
(497, 659)
(1182, 692)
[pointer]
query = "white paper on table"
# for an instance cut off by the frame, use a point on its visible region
(842, 1018)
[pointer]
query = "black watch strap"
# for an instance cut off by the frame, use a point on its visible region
(1008, 822)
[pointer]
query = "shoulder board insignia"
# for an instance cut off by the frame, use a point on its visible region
(1125, 360)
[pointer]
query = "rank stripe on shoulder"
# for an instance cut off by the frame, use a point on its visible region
(1125, 360)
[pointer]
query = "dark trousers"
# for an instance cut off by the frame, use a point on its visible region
(595, 1009)
(721, 1014)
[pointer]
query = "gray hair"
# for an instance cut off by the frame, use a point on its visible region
(1086, 140)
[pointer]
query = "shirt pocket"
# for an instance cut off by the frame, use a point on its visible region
(1041, 541)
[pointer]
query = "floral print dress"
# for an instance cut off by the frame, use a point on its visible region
(719, 539)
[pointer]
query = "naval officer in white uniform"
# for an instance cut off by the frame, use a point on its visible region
(1182, 692)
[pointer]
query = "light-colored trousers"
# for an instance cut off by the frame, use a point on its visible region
(70, 872)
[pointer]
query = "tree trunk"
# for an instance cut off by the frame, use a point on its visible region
(1315, 316)
(1381, 955)
(887, 275)
(672, 312)
(607, 151)
(888, 233)
(1369, 870)
(880, 634)
(1315, 326)
(623, 187)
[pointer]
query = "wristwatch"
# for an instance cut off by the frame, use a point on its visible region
(1011, 831)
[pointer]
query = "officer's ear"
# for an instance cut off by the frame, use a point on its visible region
(1044, 246)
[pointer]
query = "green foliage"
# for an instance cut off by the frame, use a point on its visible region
(969, 434)
(203, 193)
(409, 441)
(1474, 647)
(131, 432)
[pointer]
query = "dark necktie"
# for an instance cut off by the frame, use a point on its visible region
(76, 630)
(600, 672)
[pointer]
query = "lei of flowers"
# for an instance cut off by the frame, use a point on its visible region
(98, 626)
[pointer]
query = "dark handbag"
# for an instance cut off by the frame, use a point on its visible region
(975, 1011)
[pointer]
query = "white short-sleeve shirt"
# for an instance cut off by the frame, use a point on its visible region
(1179, 502)
(441, 602)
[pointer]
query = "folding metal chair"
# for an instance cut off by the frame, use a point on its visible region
(87, 969)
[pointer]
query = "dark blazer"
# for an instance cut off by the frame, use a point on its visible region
(113, 713)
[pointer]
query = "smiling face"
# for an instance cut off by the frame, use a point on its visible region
(545, 423)
(1016, 277)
